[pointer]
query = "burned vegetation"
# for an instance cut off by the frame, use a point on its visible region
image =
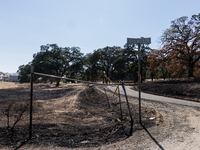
(73, 116)
(188, 89)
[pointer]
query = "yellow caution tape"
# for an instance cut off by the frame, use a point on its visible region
(115, 85)
(117, 88)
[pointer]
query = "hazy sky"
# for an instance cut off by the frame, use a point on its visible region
(25, 25)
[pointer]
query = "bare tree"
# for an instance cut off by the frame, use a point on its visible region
(14, 111)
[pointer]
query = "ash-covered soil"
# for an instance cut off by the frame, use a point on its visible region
(188, 89)
(70, 117)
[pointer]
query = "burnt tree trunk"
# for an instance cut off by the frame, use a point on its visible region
(58, 82)
(190, 70)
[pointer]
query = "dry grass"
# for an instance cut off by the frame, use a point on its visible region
(72, 115)
(8, 85)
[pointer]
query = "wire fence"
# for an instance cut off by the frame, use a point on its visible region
(80, 112)
(72, 115)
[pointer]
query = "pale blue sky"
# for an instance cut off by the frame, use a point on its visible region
(25, 25)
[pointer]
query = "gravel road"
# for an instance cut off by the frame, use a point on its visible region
(151, 97)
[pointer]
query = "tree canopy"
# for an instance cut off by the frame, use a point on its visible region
(180, 51)
(115, 62)
(179, 56)
(24, 73)
(54, 60)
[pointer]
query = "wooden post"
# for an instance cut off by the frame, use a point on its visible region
(31, 102)
(131, 130)
(107, 99)
(120, 103)
(139, 76)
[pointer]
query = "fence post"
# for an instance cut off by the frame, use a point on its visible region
(31, 102)
(120, 103)
(139, 81)
(131, 130)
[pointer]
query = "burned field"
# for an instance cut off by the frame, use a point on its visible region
(70, 116)
(188, 89)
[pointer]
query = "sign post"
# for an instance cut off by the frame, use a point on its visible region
(139, 41)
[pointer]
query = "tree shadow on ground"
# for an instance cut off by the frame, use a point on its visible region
(24, 94)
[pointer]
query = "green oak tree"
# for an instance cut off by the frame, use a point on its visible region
(24, 73)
